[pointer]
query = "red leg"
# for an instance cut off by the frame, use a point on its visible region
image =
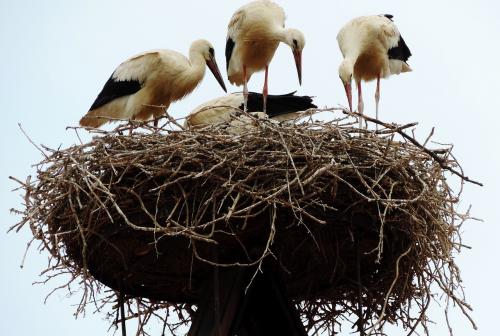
(377, 99)
(245, 88)
(264, 91)
(361, 105)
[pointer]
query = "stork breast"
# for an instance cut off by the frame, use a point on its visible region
(258, 53)
(370, 64)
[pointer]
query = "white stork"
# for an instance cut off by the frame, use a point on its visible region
(372, 48)
(254, 33)
(144, 86)
(225, 109)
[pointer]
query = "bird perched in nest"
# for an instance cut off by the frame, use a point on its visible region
(227, 109)
(144, 85)
(372, 48)
(254, 33)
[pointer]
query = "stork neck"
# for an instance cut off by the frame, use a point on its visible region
(348, 63)
(282, 35)
(197, 63)
(196, 58)
(352, 55)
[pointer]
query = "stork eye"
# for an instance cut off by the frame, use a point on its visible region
(295, 43)
(211, 51)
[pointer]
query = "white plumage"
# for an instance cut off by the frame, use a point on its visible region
(254, 33)
(144, 86)
(372, 48)
(227, 109)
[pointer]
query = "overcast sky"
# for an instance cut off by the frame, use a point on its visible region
(55, 57)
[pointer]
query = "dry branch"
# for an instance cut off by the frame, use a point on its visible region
(361, 223)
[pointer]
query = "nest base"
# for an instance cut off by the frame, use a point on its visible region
(317, 261)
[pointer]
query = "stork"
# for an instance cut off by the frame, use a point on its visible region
(224, 109)
(372, 48)
(254, 33)
(145, 85)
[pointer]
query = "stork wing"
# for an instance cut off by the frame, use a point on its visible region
(401, 51)
(229, 50)
(127, 79)
(389, 33)
(235, 22)
(214, 111)
(397, 48)
(115, 89)
(278, 105)
(232, 31)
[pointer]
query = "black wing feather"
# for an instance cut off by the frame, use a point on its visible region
(115, 89)
(400, 52)
(279, 104)
(229, 51)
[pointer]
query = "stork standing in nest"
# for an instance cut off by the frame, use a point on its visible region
(145, 85)
(254, 33)
(372, 48)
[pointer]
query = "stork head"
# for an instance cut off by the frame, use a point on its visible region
(345, 74)
(206, 49)
(296, 40)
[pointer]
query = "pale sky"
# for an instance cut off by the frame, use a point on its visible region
(55, 57)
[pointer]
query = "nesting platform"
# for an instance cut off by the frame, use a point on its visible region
(356, 222)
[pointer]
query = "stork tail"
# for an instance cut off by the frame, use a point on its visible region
(279, 104)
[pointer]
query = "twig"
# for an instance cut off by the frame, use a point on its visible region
(431, 153)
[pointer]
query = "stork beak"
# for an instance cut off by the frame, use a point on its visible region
(348, 93)
(297, 54)
(212, 65)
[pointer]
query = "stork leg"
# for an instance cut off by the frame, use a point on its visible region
(245, 88)
(377, 99)
(264, 91)
(361, 105)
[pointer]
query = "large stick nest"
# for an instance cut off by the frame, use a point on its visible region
(358, 223)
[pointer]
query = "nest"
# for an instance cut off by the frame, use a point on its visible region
(357, 223)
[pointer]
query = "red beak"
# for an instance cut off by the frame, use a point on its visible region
(297, 55)
(212, 65)
(348, 93)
